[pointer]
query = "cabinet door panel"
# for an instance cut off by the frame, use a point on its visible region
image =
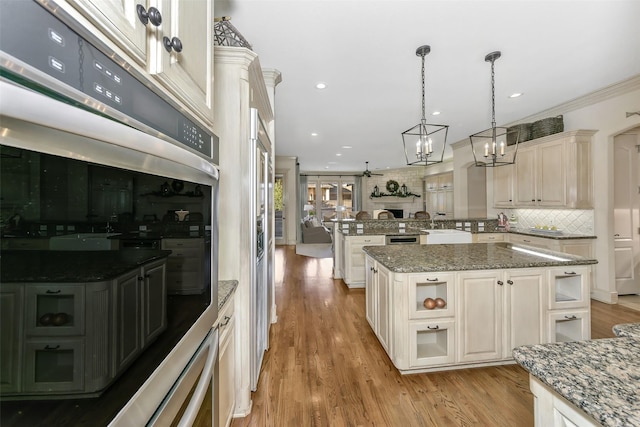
(384, 318)
(525, 178)
(118, 20)
(503, 186)
(11, 312)
(551, 179)
(128, 319)
(523, 309)
(480, 314)
(189, 73)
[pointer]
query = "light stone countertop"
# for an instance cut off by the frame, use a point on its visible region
(477, 256)
(627, 330)
(600, 377)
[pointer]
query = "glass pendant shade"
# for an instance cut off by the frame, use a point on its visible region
(492, 147)
(424, 143)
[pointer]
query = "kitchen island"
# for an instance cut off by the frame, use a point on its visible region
(436, 307)
(586, 383)
(73, 321)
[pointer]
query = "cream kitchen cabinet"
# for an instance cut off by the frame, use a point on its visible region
(503, 186)
(499, 311)
(581, 247)
(226, 360)
(185, 273)
(554, 171)
(354, 258)
(488, 237)
(439, 194)
(12, 320)
(378, 302)
(174, 48)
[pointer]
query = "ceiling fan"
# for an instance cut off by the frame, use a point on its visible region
(368, 173)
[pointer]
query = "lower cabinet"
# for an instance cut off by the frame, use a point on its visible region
(354, 268)
(432, 321)
(76, 338)
(581, 247)
(553, 410)
(185, 273)
(226, 368)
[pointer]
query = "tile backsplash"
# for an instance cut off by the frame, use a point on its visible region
(571, 221)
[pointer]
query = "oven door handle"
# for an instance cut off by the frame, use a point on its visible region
(195, 403)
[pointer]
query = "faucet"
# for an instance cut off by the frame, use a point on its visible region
(433, 224)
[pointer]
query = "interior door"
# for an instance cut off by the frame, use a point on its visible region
(626, 212)
(279, 210)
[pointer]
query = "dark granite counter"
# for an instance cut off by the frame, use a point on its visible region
(600, 377)
(477, 256)
(226, 288)
(72, 266)
(627, 330)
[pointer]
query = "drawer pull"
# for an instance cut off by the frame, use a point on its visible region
(47, 347)
(226, 321)
(432, 280)
(526, 241)
(570, 272)
(572, 317)
(435, 328)
(53, 292)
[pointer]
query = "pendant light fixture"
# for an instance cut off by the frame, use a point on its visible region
(424, 143)
(490, 145)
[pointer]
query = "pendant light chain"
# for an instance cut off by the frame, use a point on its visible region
(423, 90)
(493, 94)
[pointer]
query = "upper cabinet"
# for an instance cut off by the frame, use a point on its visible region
(554, 172)
(171, 40)
(439, 194)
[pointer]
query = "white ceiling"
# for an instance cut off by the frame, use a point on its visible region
(552, 52)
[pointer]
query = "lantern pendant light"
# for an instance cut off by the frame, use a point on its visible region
(427, 141)
(490, 145)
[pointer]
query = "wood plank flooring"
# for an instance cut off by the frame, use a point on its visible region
(325, 366)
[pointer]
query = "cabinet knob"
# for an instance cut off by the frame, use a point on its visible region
(510, 282)
(152, 15)
(435, 328)
(533, 200)
(173, 43)
(500, 282)
(140, 278)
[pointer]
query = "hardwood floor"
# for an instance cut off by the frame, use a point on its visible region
(325, 366)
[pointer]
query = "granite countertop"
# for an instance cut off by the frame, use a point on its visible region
(226, 288)
(383, 232)
(72, 266)
(627, 330)
(477, 256)
(600, 377)
(550, 234)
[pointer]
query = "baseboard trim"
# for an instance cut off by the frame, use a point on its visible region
(609, 297)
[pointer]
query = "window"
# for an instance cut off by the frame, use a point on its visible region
(327, 193)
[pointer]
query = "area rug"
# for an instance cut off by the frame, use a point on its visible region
(314, 250)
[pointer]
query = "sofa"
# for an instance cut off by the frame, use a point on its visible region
(314, 232)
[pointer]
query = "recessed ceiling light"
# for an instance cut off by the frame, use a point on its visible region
(515, 95)
(435, 113)
(338, 154)
(326, 167)
(332, 163)
(314, 134)
(347, 146)
(321, 85)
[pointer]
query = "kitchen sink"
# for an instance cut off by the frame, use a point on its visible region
(440, 236)
(82, 242)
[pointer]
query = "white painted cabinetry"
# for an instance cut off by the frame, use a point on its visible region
(581, 247)
(439, 194)
(354, 271)
(552, 172)
(488, 237)
(226, 360)
(487, 313)
(174, 48)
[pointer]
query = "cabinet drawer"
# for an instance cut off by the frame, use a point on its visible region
(431, 285)
(569, 325)
(55, 310)
(431, 343)
(366, 240)
(182, 243)
(488, 237)
(568, 287)
(54, 365)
